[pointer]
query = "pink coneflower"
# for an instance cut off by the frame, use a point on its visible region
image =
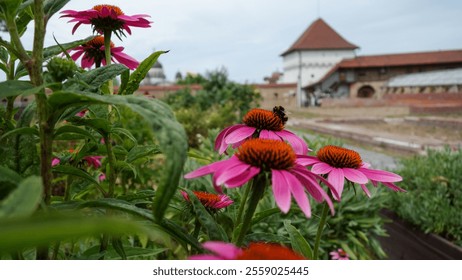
(102, 177)
(94, 161)
(339, 254)
(82, 113)
(107, 18)
(93, 54)
(260, 123)
(55, 161)
(287, 175)
(255, 251)
(340, 163)
(210, 201)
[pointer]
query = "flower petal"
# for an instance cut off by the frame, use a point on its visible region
(297, 143)
(220, 144)
(231, 172)
(281, 191)
(268, 134)
(394, 187)
(243, 178)
(336, 178)
(355, 176)
(226, 250)
(321, 168)
(366, 190)
(380, 175)
(239, 134)
(126, 60)
(306, 160)
(298, 192)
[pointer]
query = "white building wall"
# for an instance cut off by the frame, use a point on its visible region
(314, 64)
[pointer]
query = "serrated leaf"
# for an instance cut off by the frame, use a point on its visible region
(97, 77)
(74, 171)
(208, 223)
(298, 242)
(24, 200)
(140, 73)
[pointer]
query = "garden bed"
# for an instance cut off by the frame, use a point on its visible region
(407, 243)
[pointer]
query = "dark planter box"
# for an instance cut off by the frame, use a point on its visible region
(407, 243)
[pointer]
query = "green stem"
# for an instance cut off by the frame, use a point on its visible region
(242, 205)
(111, 162)
(17, 45)
(322, 222)
(257, 191)
(197, 228)
(107, 54)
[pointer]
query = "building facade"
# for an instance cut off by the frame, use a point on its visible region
(314, 54)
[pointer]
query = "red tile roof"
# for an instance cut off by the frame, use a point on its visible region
(320, 35)
(393, 60)
(401, 59)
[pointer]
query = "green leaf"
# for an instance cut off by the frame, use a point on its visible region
(25, 16)
(56, 49)
(22, 131)
(19, 153)
(208, 223)
(124, 166)
(10, 7)
(74, 130)
(138, 152)
(169, 133)
(119, 247)
(265, 237)
(8, 175)
(17, 234)
(24, 200)
(74, 171)
(167, 226)
(53, 6)
(124, 78)
(258, 217)
(97, 77)
(298, 242)
(131, 253)
(15, 88)
(4, 55)
(98, 124)
(140, 73)
(125, 132)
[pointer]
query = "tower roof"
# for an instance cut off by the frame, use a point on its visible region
(320, 36)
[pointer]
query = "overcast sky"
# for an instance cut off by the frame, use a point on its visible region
(248, 36)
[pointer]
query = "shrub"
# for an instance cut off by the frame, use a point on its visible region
(434, 185)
